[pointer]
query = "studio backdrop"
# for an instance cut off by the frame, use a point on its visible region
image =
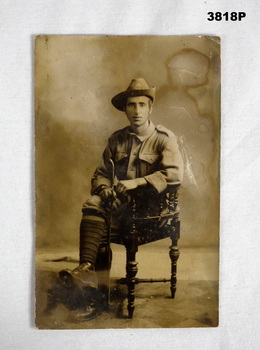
(75, 79)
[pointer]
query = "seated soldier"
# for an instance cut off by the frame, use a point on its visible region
(140, 156)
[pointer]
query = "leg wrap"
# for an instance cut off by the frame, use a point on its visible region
(91, 233)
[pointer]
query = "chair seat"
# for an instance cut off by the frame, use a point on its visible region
(147, 229)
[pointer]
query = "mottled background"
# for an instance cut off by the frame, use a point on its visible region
(75, 79)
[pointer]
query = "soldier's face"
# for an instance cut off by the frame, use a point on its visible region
(138, 109)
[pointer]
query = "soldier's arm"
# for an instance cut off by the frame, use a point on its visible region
(170, 170)
(127, 185)
(102, 177)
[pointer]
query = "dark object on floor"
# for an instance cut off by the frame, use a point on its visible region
(85, 303)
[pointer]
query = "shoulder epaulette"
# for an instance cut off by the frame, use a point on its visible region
(164, 130)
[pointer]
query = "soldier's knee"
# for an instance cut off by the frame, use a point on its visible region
(93, 205)
(93, 202)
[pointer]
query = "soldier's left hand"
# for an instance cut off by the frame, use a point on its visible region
(125, 185)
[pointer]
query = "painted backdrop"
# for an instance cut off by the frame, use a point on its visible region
(75, 79)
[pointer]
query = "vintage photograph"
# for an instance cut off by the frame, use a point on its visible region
(127, 181)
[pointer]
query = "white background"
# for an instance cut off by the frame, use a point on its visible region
(240, 180)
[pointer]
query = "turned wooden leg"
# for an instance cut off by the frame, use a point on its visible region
(174, 255)
(131, 271)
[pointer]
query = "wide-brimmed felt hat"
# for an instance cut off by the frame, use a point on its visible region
(137, 87)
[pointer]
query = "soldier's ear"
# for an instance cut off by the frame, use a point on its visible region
(151, 108)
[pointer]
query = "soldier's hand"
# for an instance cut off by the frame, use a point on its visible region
(108, 194)
(126, 185)
(116, 204)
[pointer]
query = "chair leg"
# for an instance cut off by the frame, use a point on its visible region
(131, 271)
(174, 255)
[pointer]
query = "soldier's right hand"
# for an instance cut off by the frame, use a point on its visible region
(116, 204)
(108, 194)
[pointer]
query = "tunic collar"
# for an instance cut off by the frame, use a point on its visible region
(144, 135)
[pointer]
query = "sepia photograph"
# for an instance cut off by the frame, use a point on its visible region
(127, 181)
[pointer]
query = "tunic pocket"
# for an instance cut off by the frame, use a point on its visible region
(121, 162)
(120, 156)
(149, 157)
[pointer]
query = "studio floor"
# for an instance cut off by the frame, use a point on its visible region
(195, 303)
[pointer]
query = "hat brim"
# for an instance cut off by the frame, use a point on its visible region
(119, 101)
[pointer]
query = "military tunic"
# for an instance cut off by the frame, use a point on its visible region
(153, 155)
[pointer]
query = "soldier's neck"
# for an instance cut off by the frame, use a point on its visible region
(140, 129)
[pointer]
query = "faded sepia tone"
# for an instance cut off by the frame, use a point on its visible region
(75, 79)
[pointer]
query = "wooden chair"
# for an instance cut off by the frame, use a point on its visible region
(152, 217)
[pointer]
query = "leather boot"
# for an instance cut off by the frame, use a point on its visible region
(91, 233)
(83, 276)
